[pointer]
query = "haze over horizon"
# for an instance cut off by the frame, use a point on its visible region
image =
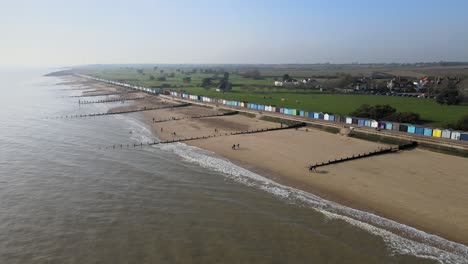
(54, 33)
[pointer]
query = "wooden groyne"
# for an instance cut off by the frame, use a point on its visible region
(119, 112)
(111, 100)
(197, 117)
(364, 155)
(103, 94)
(254, 131)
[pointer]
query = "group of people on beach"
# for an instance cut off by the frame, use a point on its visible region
(236, 146)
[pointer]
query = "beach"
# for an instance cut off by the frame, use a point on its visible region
(417, 188)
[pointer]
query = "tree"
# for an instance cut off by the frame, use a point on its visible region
(345, 81)
(224, 85)
(187, 79)
(254, 74)
(161, 71)
(171, 75)
(385, 112)
(286, 77)
(404, 117)
(162, 79)
(226, 76)
(155, 68)
(140, 71)
(461, 124)
(449, 97)
(374, 112)
(151, 78)
(206, 82)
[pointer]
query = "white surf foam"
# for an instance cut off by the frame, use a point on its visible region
(424, 245)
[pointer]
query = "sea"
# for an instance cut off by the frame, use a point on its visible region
(71, 191)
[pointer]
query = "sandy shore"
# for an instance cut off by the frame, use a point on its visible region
(419, 188)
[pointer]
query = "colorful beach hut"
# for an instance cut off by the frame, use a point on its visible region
(361, 122)
(437, 133)
(428, 131)
(403, 128)
(464, 136)
(388, 126)
(367, 123)
(349, 120)
(326, 116)
(455, 135)
(419, 130)
(411, 129)
(446, 133)
(316, 115)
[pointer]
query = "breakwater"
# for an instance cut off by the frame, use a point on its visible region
(102, 94)
(118, 112)
(379, 151)
(110, 100)
(253, 131)
(196, 117)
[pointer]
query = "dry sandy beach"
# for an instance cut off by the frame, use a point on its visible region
(418, 188)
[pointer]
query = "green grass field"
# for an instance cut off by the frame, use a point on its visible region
(432, 113)
(263, 92)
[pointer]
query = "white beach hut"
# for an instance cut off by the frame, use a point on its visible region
(455, 135)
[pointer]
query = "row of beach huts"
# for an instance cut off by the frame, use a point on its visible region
(125, 85)
(351, 121)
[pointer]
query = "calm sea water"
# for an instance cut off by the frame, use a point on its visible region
(65, 200)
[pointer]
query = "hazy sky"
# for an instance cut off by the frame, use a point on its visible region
(66, 32)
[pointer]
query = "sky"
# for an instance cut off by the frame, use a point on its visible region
(66, 33)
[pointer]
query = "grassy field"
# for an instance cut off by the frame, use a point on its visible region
(432, 113)
(262, 91)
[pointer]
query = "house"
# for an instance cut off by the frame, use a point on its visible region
(401, 84)
(291, 82)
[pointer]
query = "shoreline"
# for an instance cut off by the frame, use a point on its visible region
(348, 190)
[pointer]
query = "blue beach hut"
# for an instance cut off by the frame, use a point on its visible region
(411, 129)
(464, 136)
(321, 115)
(367, 123)
(419, 130)
(388, 126)
(428, 132)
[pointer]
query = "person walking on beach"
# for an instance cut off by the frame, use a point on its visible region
(238, 146)
(234, 146)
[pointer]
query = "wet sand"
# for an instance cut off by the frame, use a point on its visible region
(418, 188)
